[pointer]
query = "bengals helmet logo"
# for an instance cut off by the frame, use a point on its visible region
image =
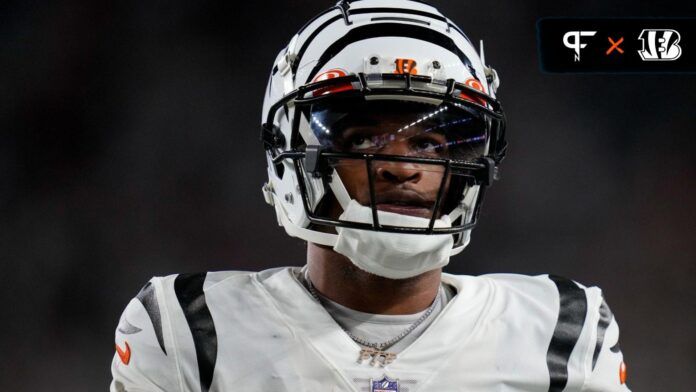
(476, 85)
(331, 74)
(405, 66)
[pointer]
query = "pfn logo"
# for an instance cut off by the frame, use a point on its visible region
(575, 44)
(660, 45)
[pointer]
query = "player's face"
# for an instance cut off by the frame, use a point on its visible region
(399, 187)
(372, 131)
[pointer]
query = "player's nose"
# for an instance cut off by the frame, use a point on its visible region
(398, 171)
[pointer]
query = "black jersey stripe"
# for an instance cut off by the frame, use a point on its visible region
(571, 318)
(147, 297)
(189, 292)
(605, 317)
(390, 30)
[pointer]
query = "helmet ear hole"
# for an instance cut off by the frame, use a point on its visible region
(458, 237)
(327, 207)
(279, 169)
(455, 194)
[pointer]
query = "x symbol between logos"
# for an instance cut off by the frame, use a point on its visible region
(615, 45)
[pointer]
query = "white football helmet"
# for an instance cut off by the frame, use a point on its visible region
(353, 63)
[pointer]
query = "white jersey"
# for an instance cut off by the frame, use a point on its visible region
(249, 331)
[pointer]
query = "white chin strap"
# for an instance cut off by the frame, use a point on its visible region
(392, 255)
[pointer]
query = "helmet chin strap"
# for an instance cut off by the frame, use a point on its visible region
(392, 255)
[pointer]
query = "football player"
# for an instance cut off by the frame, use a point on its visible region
(382, 132)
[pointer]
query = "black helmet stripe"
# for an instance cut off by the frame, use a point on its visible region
(415, 1)
(314, 19)
(454, 26)
(390, 30)
(309, 40)
(358, 11)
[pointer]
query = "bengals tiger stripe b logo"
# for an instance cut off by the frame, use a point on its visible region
(476, 85)
(405, 66)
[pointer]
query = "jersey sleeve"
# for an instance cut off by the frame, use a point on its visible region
(142, 361)
(608, 372)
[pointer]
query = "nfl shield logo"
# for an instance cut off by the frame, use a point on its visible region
(386, 384)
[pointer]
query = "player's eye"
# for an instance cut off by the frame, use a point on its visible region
(429, 145)
(361, 143)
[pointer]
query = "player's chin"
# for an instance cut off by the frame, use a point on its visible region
(406, 209)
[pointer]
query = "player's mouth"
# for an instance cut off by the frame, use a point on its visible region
(405, 203)
(405, 209)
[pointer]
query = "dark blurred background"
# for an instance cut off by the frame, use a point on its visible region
(129, 148)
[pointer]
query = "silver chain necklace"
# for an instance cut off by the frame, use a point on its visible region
(388, 343)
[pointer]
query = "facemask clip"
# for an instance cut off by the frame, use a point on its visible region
(314, 164)
(491, 171)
